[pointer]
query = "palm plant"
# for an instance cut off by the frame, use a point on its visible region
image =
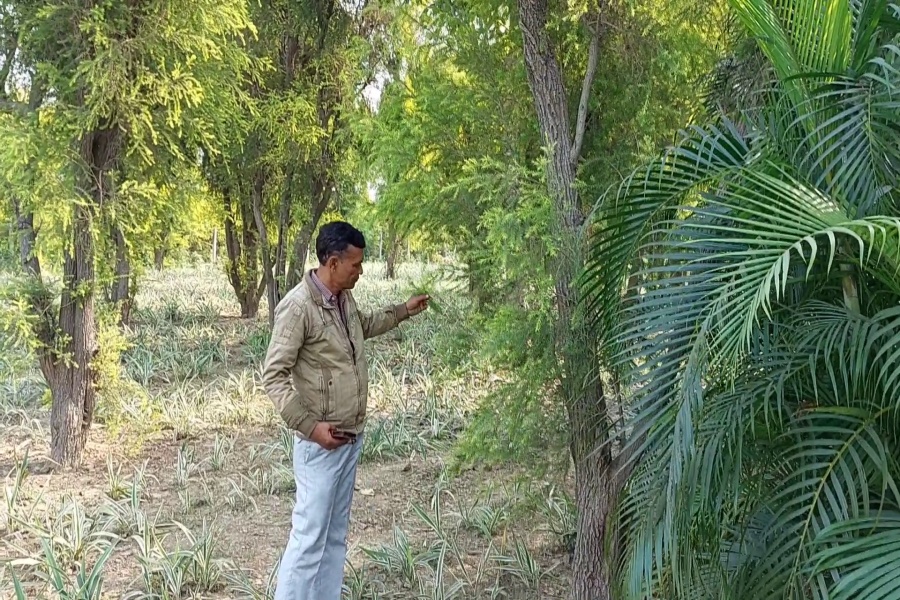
(750, 276)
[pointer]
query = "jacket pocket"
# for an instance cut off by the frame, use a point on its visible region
(325, 390)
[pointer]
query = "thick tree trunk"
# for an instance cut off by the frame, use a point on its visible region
(72, 381)
(585, 403)
(590, 565)
(242, 258)
(595, 490)
(71, 374)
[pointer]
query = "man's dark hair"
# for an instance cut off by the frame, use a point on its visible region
(336, 237)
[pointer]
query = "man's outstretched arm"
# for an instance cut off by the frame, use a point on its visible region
(381, 321)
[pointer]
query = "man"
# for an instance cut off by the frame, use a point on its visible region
(317, 344)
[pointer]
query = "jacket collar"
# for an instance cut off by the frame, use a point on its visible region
(318, 293)
(314, 292)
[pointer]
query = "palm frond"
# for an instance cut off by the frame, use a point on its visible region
(837, 457)
(866, 552)
(621, 221)
(747, 283)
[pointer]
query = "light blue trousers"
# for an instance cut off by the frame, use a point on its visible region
(312, 567)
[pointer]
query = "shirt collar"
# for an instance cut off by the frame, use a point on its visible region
(327, 295)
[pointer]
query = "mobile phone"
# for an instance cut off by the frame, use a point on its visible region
(347, 435)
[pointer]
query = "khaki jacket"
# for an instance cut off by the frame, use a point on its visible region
(313, 371)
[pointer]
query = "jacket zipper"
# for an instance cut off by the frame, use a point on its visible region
(352, 347)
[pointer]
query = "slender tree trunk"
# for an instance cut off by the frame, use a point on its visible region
(121, 288)
(214, 255)
(585, 403)
(256, 198)
(284, 225)
(159, 258)
(393, 250)
(321, 197)
(319, 175)
(301, 252)
(25, 229)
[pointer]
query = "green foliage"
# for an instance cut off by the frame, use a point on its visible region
(456, 154)
(520, 422)
(758, 262)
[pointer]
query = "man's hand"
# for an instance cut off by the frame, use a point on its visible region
(324, 435)
(416, 304)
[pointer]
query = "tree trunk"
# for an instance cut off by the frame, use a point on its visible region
(242, 258)
(284, 225)
(121, 288)
(595, 492)
(301, 252)
(320, 177)
(321, 197)
(590, 564)
(393, 251)
(25, 228)
(70, 373)
(585, 403)
(72, 381)
(256, 198)
(214, 255)
(159, 258)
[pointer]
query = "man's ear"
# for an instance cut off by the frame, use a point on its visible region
(332, 261)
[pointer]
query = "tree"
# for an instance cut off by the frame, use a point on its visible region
(758, 259)
(460, 147)
(90, 85)
(294, 157)
(597, 479)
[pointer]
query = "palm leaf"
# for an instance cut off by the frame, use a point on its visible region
(760, 328)
(835, 456)
(621, 221)
(866, 553)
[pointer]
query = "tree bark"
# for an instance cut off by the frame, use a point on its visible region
(393, 250)
(70, 373)
(159, 258)
(242, 258)
(320, 198)
(121, 288)
(72, 384)
(284, 225)
(256, 198)
(27, 251)
(585, 403)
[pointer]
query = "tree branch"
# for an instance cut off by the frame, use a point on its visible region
(593, 56)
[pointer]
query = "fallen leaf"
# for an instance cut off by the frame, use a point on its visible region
(367, 492)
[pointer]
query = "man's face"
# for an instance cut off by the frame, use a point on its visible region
(349, 267)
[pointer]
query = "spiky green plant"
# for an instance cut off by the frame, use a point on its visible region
(760, 325)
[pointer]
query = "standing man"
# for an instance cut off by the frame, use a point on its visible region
(316, 375)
